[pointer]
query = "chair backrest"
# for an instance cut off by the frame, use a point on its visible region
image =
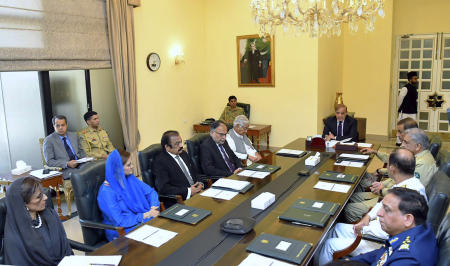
(443, 239)
(443, 161)
(439, 183)
(437, 208)
(41, 143)
(146, 159)
(86, 183)
(246, 108)
(435, 145)
(193, 149)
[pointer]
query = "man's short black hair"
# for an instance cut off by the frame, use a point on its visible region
(408, 123)
(216, 124)
(231, 98)
(411, 202)
(404, 164)
(165, 139)
(59, 117)
(412, 74)
(88, 115)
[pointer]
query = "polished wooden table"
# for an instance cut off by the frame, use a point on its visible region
(52, 181)
(136, 253)
(255, 132)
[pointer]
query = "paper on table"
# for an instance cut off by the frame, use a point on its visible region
(255, 174)
(364, 145)
(331, 143)
(332, 187)
(251, 126)
(40, 175)
(230, 183)
(347, 143)
(256, 259)
(350, 164)
(354, 156)
(345, 140)
(341, 188)
(219, 194)
(152, 236)
(289, 151)
(324, 185)
(85, 160)
(90, 260)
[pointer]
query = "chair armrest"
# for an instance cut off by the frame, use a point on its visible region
(86, 223)
(345, 252)
(80, 246)
(178, 198)
(373, 239)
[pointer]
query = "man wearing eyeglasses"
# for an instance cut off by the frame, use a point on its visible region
(217, 159)
(239, 143)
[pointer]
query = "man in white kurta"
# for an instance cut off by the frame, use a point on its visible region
(401, 169)
(239, 143)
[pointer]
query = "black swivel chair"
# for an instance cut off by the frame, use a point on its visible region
(86, 183)
(146, 160)
(246, 108)
(443, 238)
(435, 145)
(443, 161)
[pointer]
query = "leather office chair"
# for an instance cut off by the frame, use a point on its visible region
(146, 160)
(443, 239)
(435, 145)
(67, 186)
(443, 161)
(244, 106)
(86, 184)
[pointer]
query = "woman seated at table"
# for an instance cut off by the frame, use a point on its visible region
(28, 240)
(123, 199)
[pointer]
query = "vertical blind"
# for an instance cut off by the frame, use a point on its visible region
(53, 35)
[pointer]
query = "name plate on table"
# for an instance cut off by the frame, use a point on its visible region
(280, 248)
(185, 214)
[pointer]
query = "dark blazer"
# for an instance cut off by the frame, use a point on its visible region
(169, 178)
(212, 161)
(350, 129)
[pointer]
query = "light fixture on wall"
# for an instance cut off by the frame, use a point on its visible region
(177, 53)
(319, 17)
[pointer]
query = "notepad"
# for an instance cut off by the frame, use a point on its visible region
(236, 185)
(151, 235)
(254, 174)
(332, 187)
(90, 260)
(350, 164)
(256, 259)
(219, 193)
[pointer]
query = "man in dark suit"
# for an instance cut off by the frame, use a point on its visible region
(174, 171)
(341, 126)
(62, 148)
(217, 159)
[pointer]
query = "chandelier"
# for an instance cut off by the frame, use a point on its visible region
(319, 17)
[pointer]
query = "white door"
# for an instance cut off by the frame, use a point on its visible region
(429, 56)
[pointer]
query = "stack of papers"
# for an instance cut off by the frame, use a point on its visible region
(40, 175)
(332, 187)
(85, 160)
(354, 156)
(152, 236)
(347, 143)
(364, 145)
(291, 152)
(90, 260)
(350, 164)
(236, 185)
(255, 174)
(255, 259)
(219, 194)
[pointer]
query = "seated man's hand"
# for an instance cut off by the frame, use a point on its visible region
(255, 158)
(72, 164)
(376, 187)
(330, 136)
(196, 188)
(237, 171)
(368, 151)
(359, 226)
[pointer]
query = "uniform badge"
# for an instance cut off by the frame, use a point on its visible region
(416, 175)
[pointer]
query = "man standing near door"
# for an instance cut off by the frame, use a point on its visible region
(407, 99)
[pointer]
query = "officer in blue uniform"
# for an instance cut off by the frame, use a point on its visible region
(412, 240)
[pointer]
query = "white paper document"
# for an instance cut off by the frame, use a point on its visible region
(288, 151)
(90, 260)
(237, 185)
(85, 160)
(255, 174)
(40, 175)
(347, 143)
(354, 156)
(350, 164)
(219, 194)
(332, 187)
(331, 143)
(256, 259)
(152, 236)
(364, 145)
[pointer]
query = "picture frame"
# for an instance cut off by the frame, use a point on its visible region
(255, 61)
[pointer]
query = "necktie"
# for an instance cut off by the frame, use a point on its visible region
(340, 129)
(185, 171)
(68, 150)
(227, 160)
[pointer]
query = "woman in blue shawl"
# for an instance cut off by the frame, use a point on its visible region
(123, 199)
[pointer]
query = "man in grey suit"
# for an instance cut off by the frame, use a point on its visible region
(62, 148)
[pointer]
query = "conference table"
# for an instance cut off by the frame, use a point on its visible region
(205, 244)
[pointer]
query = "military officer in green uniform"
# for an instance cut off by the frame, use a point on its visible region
(411, 239)
(93, 139)
(231, 111)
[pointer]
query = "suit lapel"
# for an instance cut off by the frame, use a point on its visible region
(174, 165)
(59, 145)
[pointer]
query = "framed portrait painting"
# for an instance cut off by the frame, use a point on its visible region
(255, 61)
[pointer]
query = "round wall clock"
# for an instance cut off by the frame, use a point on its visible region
(153, 61)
